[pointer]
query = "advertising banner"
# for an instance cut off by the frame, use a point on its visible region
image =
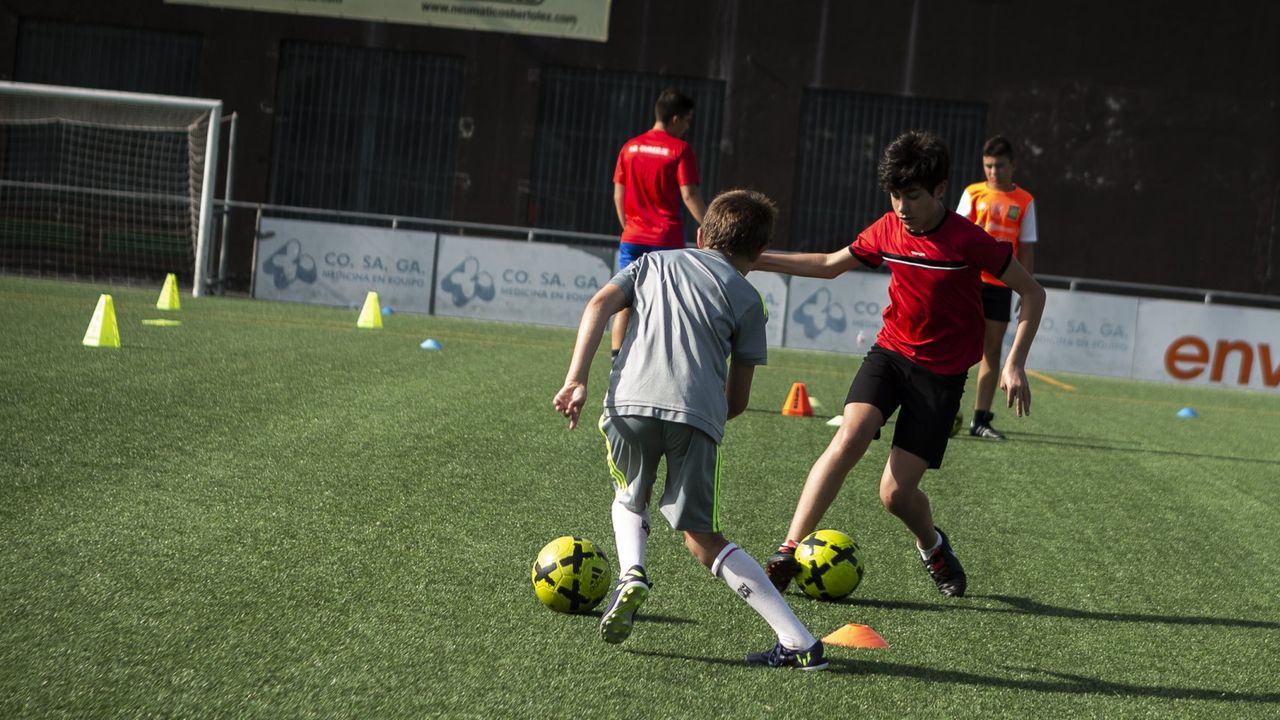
(1202, 344)
(1083, 332)
(773, 289)
(840, 315)
(517, 281)
(573, 19)
(335, 264)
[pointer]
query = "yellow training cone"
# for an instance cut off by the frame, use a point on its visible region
(371, 313)
(103, 331)
(169, 294)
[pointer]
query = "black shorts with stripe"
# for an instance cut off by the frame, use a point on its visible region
(925, 401)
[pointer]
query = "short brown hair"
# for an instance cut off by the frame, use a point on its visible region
(997, 146)
(739, 222)
(670, 105)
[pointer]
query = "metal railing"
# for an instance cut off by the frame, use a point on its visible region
(400, 221)
(1173, 292)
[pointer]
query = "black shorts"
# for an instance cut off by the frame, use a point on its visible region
(996, 300)
(929, 401)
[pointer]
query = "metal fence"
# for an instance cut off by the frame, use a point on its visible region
(584, 118)
(108, 58)
(366, 130)
(842, 136)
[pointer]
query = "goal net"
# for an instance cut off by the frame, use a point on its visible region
(106, 185)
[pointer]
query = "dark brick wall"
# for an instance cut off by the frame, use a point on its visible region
(1149, 132)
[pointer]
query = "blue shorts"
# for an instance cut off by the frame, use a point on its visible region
(630, 252)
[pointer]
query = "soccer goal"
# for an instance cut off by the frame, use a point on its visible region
(106, 184)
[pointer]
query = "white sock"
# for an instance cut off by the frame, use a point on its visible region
(746, 578)
(630, 531)
(924, 554)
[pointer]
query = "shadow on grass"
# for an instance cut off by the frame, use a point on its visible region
(778, 411)
(1058, 682)
(1120, 446)
(1106, 443)
(1027, 606)
(642, 617)
(662, 619)
(1085, 442)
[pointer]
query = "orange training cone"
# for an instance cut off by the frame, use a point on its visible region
(854, 635)
(798, 402)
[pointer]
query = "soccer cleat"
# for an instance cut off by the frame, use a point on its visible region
(810, 658)
(956, 425)
(981, 426)
(781, 567)
(945, 569)
(986, 432)
(619, 614)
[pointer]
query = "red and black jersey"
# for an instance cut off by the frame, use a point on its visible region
(934, 317)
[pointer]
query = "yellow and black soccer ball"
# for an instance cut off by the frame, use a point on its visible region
(571, 575)
(830, 565)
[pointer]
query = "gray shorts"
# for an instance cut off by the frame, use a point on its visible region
(691, 493)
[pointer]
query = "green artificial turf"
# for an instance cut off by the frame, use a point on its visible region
(267, 512)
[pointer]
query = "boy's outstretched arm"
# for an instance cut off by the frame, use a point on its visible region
(819, 265)
(607, 301)
(1013, 378)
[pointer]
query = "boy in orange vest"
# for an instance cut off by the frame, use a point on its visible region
(1008, 213)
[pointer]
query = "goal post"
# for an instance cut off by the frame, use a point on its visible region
(106, 183)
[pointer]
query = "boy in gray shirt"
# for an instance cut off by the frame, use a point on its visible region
(670, 393)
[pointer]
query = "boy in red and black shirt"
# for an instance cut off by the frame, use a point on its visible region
(917, 367)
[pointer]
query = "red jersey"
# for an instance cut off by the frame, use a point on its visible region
(934, 317)
(651, 168)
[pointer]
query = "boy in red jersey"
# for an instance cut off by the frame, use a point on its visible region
(932, 334)
(1008, 213)
(656, 171)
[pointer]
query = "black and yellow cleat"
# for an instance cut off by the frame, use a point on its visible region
(619, 614)
(810, 658)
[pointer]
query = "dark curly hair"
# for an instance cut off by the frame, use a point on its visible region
(916, 157)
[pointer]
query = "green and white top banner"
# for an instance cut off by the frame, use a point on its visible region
(572, 19)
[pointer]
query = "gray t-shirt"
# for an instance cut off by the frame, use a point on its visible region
(691, 312)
